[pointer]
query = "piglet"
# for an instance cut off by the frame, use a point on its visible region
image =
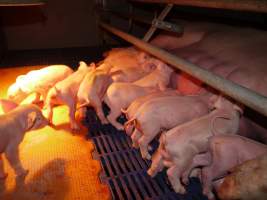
(119, 96)
(13, 126)
(65, 92)
(182, 143)
(136, 104)
(37, 81)
(93, 88)
(227, 151)
(160, 77)
(164, 113)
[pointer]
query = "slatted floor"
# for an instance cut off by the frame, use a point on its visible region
(124, 170)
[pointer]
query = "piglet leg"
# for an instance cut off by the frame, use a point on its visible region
(135, 137)
(72, 109)
(174, 177)
(3, 175)
(157, 163)
(143, 144)
(206, 177)
(12, 155)
(112, 117)
(203, 159)
(96, 103)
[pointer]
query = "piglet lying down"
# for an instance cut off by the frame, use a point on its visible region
(13, 126)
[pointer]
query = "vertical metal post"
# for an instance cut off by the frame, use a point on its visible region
(162, 16)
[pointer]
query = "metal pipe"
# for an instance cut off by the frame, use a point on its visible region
(243, 5)
(244, 95)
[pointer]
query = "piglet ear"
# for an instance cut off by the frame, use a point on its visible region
(92, 65)
(7, 105)
(31, 118)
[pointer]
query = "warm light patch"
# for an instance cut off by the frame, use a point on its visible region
(60, 162)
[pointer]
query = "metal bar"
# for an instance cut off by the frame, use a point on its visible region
(161, 17)
(22, 2)
(243, 5)
(244, 95)
(156, 23)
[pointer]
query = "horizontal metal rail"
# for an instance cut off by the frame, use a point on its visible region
(243, 5)
(244, 95)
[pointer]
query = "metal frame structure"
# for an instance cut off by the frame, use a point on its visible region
(242, 5)
(244, 95)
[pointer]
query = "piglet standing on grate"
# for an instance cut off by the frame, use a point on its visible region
(136, 104)
(164, 113)
(65, 92)
(37, 81)
(13, 126)
(181, 144)
(119, 96)
(224, 153)
(93, 88)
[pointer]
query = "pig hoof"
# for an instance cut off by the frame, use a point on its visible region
(104, 121)
(3, 176)
(179, 189)
(185, 180)
(151, 172)
(75, 127)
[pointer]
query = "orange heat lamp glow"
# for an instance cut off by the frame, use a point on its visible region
(60, 162)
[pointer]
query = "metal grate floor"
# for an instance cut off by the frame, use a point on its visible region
(124, 170)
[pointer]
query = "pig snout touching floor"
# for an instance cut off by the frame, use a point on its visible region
(65, 92)
(37, 81)
(227, 151)
(164, 113)
(246, 182)
(93, 89)
(119, 96)
(13, 126)
(183, 142)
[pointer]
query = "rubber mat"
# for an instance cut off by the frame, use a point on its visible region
(124, 170)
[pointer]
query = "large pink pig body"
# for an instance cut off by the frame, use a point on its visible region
(65, 92)
(13, 126)
(119, 96)
(238, 54)
(226, 153)
(164, 113)
(37, 81)
(183, 142)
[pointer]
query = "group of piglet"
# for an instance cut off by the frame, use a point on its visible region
(196, 127)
